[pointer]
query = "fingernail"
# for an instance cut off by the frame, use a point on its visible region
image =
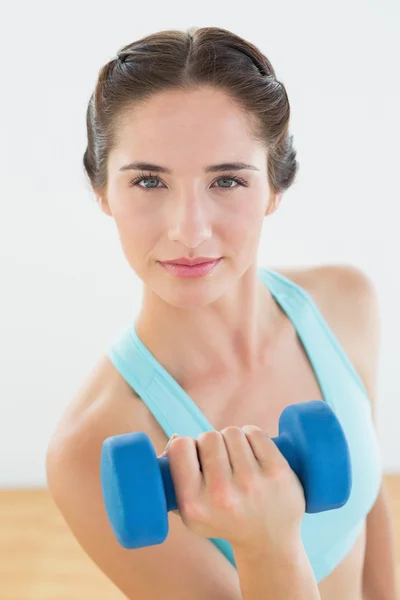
(173, 436)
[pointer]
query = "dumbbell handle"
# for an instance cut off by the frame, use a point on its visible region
(282, 442)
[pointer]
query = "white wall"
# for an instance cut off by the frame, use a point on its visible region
(66, 289)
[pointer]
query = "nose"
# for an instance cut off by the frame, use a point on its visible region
(190, 222)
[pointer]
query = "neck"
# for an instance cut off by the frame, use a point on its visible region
(233, 334)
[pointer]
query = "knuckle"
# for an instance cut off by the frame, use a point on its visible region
(192, 511)
(278, 471)
(217, 489)
(253, 430)
(206, 437)
(182, 439)
(232, 430)
(252, 483)
(223, 499)
(179, 442)
(178, 447)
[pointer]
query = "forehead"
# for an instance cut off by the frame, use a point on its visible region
(189, 127)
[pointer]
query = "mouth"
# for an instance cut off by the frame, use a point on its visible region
(191, 271)
(191, 262)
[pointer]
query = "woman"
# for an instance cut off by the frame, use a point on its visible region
(189, 151)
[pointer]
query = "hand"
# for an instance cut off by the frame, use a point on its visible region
(235, 484)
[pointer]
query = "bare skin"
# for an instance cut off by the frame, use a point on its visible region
(256, 365)
(106, 398)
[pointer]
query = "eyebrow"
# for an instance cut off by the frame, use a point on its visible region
(231, 166)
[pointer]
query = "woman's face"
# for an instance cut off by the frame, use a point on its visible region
(191, 210)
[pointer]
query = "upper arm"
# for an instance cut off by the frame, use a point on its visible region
(360, 317)
(348, 300)
(184, 566)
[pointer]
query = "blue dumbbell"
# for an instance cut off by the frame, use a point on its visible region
(138, 490)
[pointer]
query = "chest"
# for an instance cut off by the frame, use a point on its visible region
(260, 398)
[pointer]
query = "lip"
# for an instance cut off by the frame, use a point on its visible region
(191, 272)
(190, 262)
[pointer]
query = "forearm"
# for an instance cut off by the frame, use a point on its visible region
(379, 576)
(279, 575)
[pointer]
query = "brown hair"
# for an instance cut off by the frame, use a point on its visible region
(173, 59)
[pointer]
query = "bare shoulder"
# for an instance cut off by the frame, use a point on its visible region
(103, 405)
(346, 281)
(349, 302)
(185, 565)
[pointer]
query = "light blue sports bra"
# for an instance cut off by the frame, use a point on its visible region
(327, 536)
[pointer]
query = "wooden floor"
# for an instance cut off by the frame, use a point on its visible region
(41, 560)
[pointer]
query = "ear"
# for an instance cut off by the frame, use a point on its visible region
(274, 203)
(102, 201)
(104, 206)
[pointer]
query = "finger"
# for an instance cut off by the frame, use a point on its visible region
(214, 458)
(185, 469)
(264, 449)
(240, 452)
(165, 451)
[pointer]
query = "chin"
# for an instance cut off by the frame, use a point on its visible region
(187, 299)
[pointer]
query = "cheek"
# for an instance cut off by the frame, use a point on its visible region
(137, 234)
(244, 220)
(144, 227)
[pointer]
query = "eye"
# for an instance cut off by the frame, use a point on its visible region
(155, 179)
(229, 177)
(143, 177)
(236, 180)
